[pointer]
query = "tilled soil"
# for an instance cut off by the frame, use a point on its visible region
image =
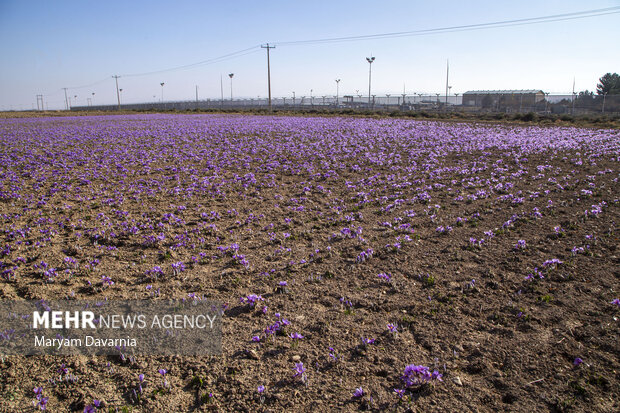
(497, 246)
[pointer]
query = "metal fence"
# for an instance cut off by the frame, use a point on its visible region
(434, 102)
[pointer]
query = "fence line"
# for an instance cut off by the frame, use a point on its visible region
(554, 104)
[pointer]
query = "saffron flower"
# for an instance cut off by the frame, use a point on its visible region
(359, 392)
(300, 371)
(418, 375)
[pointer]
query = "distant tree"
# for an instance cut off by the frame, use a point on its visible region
(585, 98)
(609, 84)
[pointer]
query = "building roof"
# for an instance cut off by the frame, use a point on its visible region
(502, 92)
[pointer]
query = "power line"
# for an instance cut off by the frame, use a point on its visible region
(450, 29)
(491, 25)
(218, 59)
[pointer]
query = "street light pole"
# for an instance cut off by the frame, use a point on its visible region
(337, 84)
(369, 60)
(162, 92)
(230, 75)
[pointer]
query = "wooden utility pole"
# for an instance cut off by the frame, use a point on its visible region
(118, 96)
(268, 72)
(66, 100)
(447, 87)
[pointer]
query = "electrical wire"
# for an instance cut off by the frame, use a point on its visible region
(218, 59)
(450, 29)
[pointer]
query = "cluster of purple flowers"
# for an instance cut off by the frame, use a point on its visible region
(385, 276)
(418, 375)
(40, 402)
(251, 299)
(444, 230)
(92, 408)
(534, 274)
(273, 329)
(552, 263)
(155, 272)
(364, 255)
(178, 267)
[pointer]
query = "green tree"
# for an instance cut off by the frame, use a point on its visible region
(609, 84)
(585, 98)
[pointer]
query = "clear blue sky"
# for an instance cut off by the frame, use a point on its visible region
(48, 45)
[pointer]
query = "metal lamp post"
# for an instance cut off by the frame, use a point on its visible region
(337, 84)
(162, 91)
(369, 60)
(230, 75)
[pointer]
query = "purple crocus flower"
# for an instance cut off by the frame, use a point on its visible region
(300, 370)
(359, 392)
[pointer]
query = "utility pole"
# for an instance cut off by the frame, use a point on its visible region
(66, 99)
(118, 95)
(369, 60)
(196, 93)
(447, 74)
(268, 72)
